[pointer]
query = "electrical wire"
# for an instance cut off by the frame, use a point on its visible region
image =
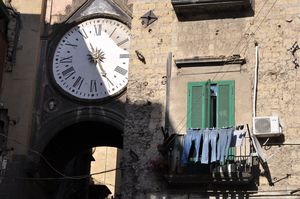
(246, 46)
(36, 152)
(80, 177)
(241, 39)
(64, 177)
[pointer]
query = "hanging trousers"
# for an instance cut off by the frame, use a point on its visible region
(192, 135)
(205, 146)
(213, 135)
(225, 136)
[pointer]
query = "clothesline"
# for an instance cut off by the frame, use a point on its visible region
(214, 142)
(238, 127)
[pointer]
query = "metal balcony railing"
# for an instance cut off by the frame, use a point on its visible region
(239, 168)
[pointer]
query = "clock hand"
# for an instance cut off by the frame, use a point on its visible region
(109, 80)
(99, 66)
(92, 48)
(103, 73)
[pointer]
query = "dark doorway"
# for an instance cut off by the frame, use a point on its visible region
(67, 157)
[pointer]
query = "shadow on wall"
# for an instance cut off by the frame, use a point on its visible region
(68, 153)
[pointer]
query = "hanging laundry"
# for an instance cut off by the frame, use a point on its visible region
(224, 141)
(229, 134)
(192, 135)
(205, 147)
(215, 144)
(213, 135)
(238, 137)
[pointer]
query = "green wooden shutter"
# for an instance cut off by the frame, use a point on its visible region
(225, 108)
(225, 104)
(195, 100)
(198, 114)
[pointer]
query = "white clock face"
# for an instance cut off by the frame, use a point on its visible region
(91, 59)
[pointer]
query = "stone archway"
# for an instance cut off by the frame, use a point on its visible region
(67, 149)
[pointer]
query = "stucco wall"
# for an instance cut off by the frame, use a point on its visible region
(275, 27)
(18, 86)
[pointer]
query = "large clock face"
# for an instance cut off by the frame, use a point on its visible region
(91, 60)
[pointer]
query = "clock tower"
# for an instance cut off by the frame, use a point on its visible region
(80, 100)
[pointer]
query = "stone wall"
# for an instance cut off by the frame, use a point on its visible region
(274, 26)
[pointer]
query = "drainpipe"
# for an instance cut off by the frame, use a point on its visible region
(255, 80)
(256, 144)
(167, 110)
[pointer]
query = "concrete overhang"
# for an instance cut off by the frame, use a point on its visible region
(211, 9)
(209, 61)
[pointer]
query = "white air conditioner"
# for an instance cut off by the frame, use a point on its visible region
(266, 126)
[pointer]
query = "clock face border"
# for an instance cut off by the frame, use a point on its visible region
(54, 42)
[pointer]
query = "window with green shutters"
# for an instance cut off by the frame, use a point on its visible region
(210, 104)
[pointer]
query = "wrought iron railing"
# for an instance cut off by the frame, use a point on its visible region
(239, 167)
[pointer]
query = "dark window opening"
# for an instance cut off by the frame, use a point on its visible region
(213, 105)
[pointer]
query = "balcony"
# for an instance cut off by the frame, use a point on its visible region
(190, 10)
(241, 167)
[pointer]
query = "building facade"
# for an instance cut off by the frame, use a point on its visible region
(198, 69)
(193, 65)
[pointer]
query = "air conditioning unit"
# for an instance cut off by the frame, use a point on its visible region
(266, 126)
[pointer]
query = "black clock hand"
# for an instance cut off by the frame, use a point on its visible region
(99, 66)
(92, 48)
(103, 73)
(108, 80)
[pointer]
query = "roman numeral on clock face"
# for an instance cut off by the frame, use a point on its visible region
(122, 42)
(70, 44)
(64, 60)
(78, 82)
(121, 70)
(83, 33)
(93, 86)
(124, 56)
(68, 72)
(112, 32)
(98, 29)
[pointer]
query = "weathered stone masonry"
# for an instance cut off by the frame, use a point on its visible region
(274, 26)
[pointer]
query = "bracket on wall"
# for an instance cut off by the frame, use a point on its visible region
(148, 18)
(293, 50)
(140, 57)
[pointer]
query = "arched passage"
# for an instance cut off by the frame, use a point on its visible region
(68, 151)
(80, 137)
